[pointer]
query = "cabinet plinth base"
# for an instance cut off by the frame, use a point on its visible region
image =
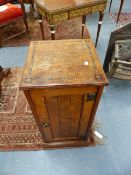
(70, 144)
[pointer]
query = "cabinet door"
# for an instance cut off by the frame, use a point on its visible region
(64, 114)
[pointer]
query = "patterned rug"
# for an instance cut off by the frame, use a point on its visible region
(18, 129)
(125, 18)
(70, 29)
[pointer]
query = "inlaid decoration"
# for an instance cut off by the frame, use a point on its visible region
(60, 17)
(62, 62)
(99, 8)
(41, 11)
(79, 12)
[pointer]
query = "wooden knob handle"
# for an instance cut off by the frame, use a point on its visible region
(45, 125)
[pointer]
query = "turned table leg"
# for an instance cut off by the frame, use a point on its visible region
(121, 5)
(83, 25)
(32, 5)
(110, 6)
(52, 30)
(101, 15)
(41, 26)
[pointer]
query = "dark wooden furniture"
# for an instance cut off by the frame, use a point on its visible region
(63, 82)
(120, 66)
(32, 7)
(122, 33)
(120, 8)
(3, 74)
(31, 2)
(9, 16)
(61, 10)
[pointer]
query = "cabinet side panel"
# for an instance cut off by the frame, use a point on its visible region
(99, 93)
(30, 102)
(85, 117)
(86, 111)
(76, 104)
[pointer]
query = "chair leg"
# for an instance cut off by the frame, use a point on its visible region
(24, 14)
(26, 24)
(110, 6)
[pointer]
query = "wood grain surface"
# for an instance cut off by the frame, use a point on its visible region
(59, 5)
(62, 63)
(63, 82)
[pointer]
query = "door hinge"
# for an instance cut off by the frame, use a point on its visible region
(90, 97)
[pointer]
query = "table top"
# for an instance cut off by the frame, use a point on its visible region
(53, 5)
(62, 63)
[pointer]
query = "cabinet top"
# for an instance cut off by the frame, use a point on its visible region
(62, 63)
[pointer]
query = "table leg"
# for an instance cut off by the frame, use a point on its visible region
(101, 15)
(121, 5)
(83, 24)
(24, 15)
(110, 6)
(41, 26)
(52, 30)
(33, 9)
(32, 5)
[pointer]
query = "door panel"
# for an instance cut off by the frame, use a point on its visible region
(53, 112)
(64, 114)
(67, 116)
(42, 113)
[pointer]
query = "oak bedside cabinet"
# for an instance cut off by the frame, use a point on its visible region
(63, 82)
